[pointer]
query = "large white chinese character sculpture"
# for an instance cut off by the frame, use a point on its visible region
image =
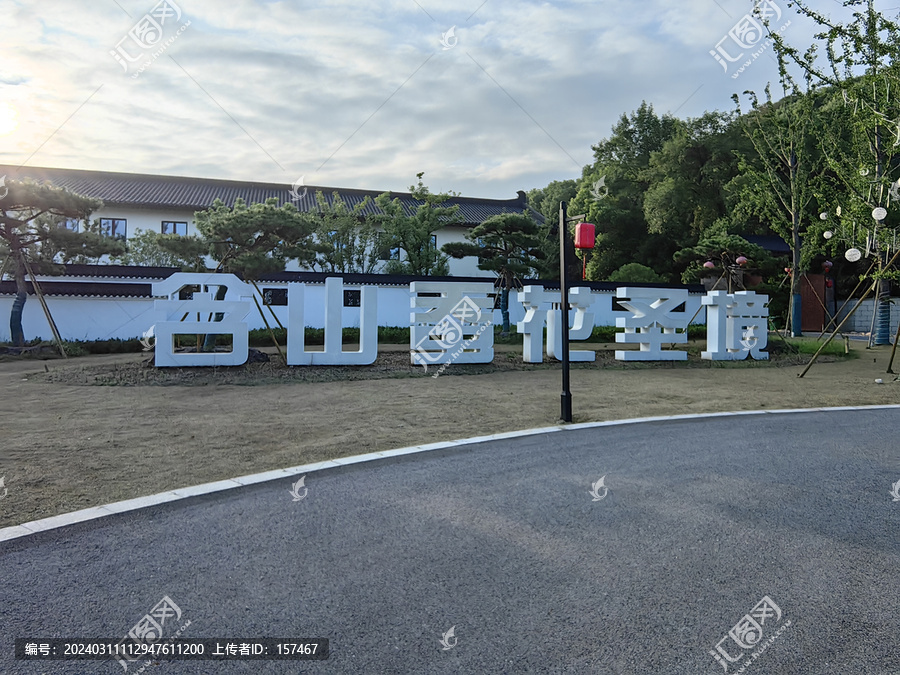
(455, 324)
(654, 323)
(582, 326)
(200, 315)
(542, 307)
(736, 325)
(532, 326)
(334, 354)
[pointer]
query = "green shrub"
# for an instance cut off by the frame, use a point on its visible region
(599, 334)
(811, 346)
(636, 273)
(393, 335)
(111, 346)
(316, 336)
(608, 333)
(261, 337)
(74, 348)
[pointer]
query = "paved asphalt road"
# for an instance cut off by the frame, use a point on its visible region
(503, 541)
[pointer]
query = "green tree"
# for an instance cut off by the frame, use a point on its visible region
(33, 230)
(245, 240)
(781, 178)
(611, 193)
(863, 73)
(412, 234)
(686, 177)
(636, 273)
(546, 202)
(144, 250)
(346, 240)
(723, 250)
(634, 140)
(508, 245)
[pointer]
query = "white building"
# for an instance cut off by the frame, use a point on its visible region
(167, 204)
(98, 302)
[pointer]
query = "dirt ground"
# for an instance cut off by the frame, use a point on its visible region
(68, 443)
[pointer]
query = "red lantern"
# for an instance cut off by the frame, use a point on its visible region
(584, 235)
(584, 238)
(741, 260)
(709, 264)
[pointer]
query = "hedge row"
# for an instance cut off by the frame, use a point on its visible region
(314, 336)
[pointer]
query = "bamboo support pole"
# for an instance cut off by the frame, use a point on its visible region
(893, 351)
(872, 326)
(855, 307)
(837, 330)
(846, 302)
(271, 334)
(271, 311)
(43, 301)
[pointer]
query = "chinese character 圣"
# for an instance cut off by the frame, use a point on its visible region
(656, 320)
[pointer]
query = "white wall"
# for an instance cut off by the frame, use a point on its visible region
(466, 267)
(82, 318)
(861, 321)
(146, 219)
(151, 219)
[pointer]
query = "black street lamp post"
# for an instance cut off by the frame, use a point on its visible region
(566, 396)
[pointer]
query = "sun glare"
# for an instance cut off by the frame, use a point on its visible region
(9, 119)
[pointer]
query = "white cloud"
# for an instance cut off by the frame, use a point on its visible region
(331, 90)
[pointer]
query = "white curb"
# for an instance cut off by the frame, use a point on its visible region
(25, 529)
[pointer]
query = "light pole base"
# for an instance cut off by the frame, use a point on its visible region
(565, 406)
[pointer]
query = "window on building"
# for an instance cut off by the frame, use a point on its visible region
(187, 292)
(275, 297)
(434, 241)
(113, 227)
(174, 227)
(385, 250)
(352, 298)
(72, 224)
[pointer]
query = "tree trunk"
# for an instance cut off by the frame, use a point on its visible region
(15, 320)
(883, 308)
(504, 309)
(17, 334)
(796, 301)
(209, 340)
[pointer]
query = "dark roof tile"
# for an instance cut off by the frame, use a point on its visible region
(149, 191)
(69, 284)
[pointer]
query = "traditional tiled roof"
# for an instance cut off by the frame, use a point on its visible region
(173, 192)
(770, 243)
(137, 281)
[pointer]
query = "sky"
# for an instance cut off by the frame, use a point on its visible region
(486, 97)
